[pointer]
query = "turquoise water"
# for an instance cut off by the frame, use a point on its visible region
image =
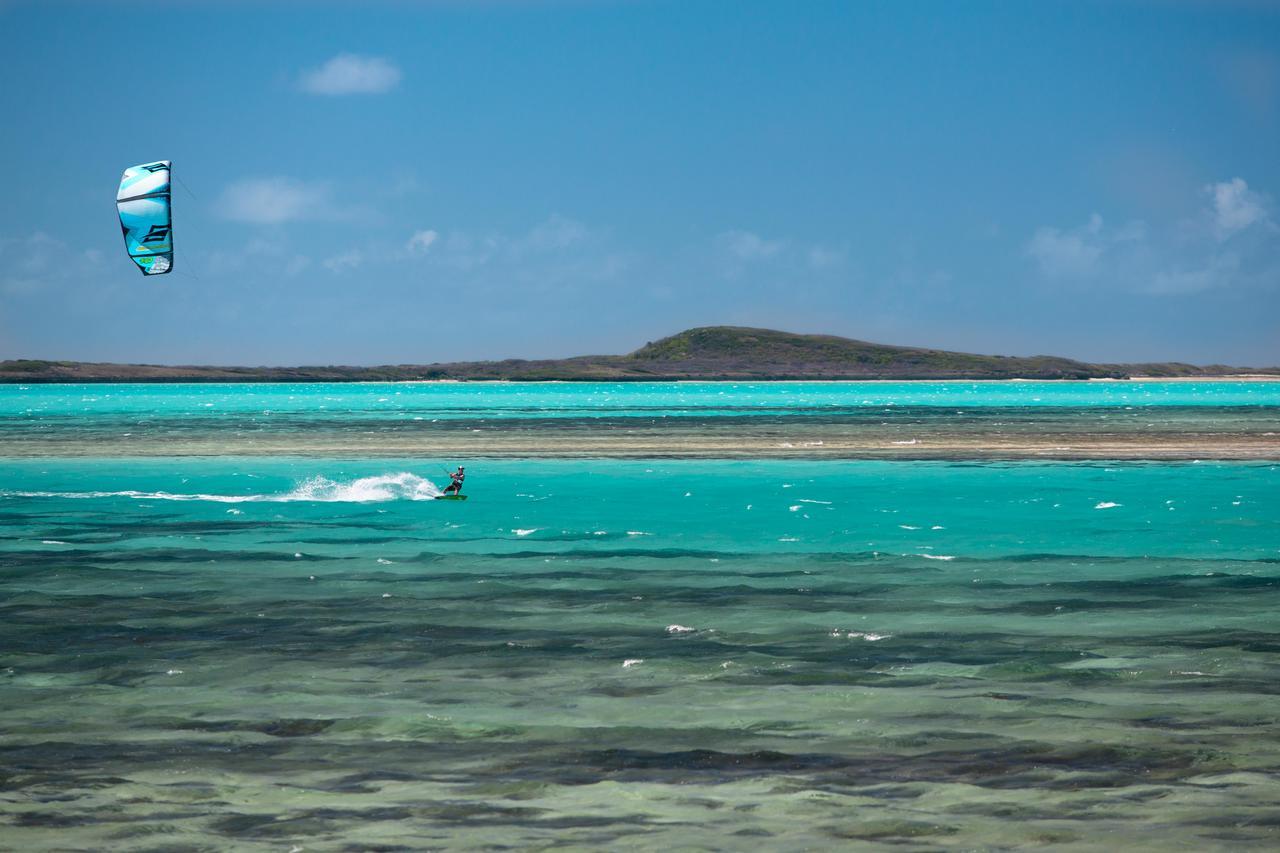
(849, 420)
(269, 652)
(324, 401)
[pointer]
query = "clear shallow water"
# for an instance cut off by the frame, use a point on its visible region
(497, 400)
(255, 652)
(933, 420)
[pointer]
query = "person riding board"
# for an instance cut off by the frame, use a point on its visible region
(456, 485)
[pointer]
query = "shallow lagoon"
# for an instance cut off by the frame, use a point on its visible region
(239, 651)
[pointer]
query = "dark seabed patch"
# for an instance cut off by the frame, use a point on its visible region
(932, 657)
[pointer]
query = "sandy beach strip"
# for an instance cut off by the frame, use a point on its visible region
(780, 443)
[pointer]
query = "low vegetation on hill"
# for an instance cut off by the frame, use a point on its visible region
(712, 352)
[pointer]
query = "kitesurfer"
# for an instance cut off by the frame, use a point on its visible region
(456, 485)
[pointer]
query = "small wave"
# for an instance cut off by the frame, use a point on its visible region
(383, 487)
(936, 556)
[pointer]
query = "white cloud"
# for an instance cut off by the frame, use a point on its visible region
(1217, 270)
(556, 237)
(348, 74)
(271, 201)
(557, 255)
(746, 246)
(1230, 242)
(347, 260)
(421, 241)
(1073, 252)
(1235, 207)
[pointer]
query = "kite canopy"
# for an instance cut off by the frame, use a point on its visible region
(146, 218)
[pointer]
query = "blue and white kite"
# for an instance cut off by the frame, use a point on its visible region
(146, 217)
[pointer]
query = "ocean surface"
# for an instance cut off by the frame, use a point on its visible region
(205, 645)
(855, 420)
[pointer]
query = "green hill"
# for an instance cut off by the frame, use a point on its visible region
(711, 352)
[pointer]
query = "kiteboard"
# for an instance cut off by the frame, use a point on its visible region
(451, 497)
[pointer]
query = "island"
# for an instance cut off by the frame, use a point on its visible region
(709, 353)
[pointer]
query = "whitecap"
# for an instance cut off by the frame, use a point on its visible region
(1106, 505)
(318, 489)
(936, 556)
(679, 629)
(523, 531)
(630, 662)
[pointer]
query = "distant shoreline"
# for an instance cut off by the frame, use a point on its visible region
(709, 354)
(1226, 377)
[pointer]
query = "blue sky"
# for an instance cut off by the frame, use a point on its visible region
(428, 181)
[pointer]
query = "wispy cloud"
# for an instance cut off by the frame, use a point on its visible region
(747, 246)
(1216, 270)
(826, 258)
(349, 74)
(30, 264)
(1235, 207)
(557, 232)
(557, 254)
(344, 261)
(422, 241)
(269, 257)
(1232, 240)
(275, 200)
(738, 252)
(1070, 252)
